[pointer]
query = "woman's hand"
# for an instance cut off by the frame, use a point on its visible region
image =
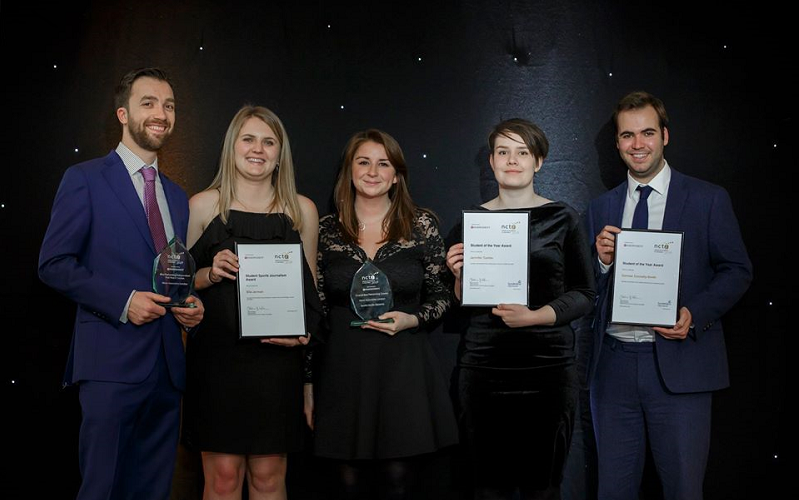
(226, 265)
(455, 260)
(402, 321)
(517, 315)
(287, 342)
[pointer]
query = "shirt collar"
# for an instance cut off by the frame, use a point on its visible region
(132, 162)
(659, 184)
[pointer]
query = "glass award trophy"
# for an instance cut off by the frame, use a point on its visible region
(173, 274)
(370, 294)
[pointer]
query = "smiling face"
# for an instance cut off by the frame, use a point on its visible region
(257, 150)
(513, 164)
(372, 172)
(640, 142)
(149, 117)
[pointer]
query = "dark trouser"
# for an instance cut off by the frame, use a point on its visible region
(129, 437)
(630, 403)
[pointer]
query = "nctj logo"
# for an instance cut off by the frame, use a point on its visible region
(369, 279)
(663, 247)
(283, 258)
(512, 228)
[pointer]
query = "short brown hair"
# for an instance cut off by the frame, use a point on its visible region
(531, 134)
(122, 91)
(638, 100)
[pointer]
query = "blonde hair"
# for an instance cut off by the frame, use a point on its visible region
(285, 198)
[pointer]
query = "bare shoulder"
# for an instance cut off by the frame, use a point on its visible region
(204, 205)
(307, 207)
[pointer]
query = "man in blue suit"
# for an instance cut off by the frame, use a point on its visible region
(111, 217)
(656, 383)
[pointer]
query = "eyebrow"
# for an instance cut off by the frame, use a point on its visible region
(367, 158)
(152, 97)
(649, 129)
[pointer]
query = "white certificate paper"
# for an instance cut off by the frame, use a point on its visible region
(496, 258)
(270, 289)
(646, 278)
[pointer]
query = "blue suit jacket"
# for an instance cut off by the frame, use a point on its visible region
(97, 249)
(716, 272)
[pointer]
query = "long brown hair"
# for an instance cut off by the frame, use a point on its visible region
(398, 223)
(285, 198)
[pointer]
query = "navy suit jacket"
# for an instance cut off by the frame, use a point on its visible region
(715, 274)
(97, 249)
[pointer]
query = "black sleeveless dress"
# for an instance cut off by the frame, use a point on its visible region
(242, 396)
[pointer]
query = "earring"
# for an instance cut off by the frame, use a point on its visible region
(277, 167)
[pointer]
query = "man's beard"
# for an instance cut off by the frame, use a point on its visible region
(138, 131)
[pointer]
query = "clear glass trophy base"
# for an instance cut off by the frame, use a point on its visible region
(362, 322)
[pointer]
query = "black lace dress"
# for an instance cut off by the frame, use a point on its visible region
(242, 396)
(517, 387)
(380, 396)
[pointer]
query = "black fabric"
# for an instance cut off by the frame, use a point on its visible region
(380, 396)
(516, 387)
(242, 396)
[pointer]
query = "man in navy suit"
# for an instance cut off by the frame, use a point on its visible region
(111, 217)
(656, 383)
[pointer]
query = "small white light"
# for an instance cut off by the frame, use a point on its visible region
(775, 145)
(2, 205)
(515, 60)
(342, 106)
(201, 47)
(76, 150)
(14, 382)
(55, 66)
(328, 26)
(610, 74)
(725, 46)
(420, 59)
(775, 456)
(424, 156)
(771, 303)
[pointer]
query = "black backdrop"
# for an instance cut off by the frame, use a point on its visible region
(437, 76)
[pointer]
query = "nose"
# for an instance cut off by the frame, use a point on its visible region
(372, 172)
(257, 146)
(512, 158)
(638, 141)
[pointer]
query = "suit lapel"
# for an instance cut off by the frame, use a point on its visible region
(118, 178)
(676, 201)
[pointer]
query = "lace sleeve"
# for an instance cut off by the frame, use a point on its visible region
(436, 292)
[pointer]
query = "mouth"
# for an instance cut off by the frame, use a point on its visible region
(256, 161)
(157, 128)
(639, 156)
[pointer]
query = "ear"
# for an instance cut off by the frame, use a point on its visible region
(491, 160)
(122, 115)
(539, 162)
(395, 179)
(665, 136)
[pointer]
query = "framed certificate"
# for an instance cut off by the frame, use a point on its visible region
(271, 290)
(496, 258)
(646, 278)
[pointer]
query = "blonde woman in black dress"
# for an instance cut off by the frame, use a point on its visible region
(244, 399)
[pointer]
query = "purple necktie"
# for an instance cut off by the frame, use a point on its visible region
(641, 214)
(154, 219)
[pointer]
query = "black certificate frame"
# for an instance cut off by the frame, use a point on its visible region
(526, 229)
(615, 276)
(299, 268)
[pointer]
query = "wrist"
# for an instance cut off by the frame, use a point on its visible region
(210, 276)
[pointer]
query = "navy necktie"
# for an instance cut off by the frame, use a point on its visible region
(641, 214)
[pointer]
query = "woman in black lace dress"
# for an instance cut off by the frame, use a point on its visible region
(516, 374)
(381, 397)
(244, 398)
